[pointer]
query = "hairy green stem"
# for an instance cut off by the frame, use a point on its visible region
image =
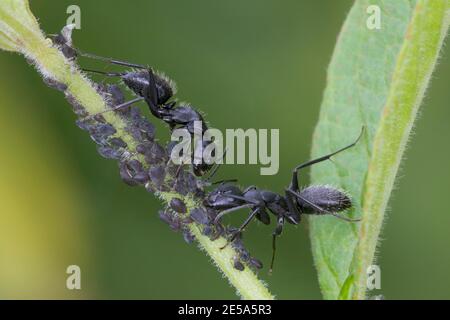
(415, 64)
(19, 31)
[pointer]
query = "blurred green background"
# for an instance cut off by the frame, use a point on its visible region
(249, 64)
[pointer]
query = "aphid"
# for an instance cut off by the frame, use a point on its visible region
(54, 84)
(117, 142)
(173, 221)
(237, 264)
(133, 173)
(188, 236)
(180, 186)
(116, 96)
(144, 148)
(104, 130)
(177, 205)
(213, 231)
(77, 107)
(64, 42)
(109, 153)
(255, 263)
(200, 216)
(157, 175)
(156, 154)
(317, 200)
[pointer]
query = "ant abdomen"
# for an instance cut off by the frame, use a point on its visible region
(138, 82)
(327, 198)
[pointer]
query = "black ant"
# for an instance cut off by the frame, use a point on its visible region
(157, 90)
(317, 200)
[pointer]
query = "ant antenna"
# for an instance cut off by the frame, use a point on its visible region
(108, 74)
(274, 248)
(117, 107)
(110, 60)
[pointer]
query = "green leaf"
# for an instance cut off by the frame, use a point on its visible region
(376, 79)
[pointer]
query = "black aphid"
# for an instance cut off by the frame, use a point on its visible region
(157, 175)
(173, 221)
(133, 173)
(255, 263)
(200, 216)
(118, 143)
(109, 153)
(177, 205)
(188, 236)
(77, 107)
(64, 42)
(54, 84)
(237, 264)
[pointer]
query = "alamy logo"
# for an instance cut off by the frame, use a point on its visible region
(211, 146)
(73, 281)
(373, 277)
(75, 16)
(374, 20)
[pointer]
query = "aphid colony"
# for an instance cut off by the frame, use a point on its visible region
(148, 163)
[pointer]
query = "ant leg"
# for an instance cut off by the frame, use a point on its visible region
(216, 167)
(117, 107)
(242, 227)
(112, 61)
(319, 209)
(248, 189)
(294, 181)
(224, 212)
(107, 74)
(293, 209)
(275, 234)
(177, 173)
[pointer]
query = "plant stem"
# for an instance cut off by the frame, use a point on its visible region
(414, 67)
(19, 31)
